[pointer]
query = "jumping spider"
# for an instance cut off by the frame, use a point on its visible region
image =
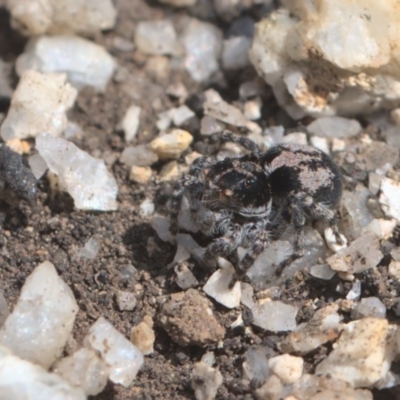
(251, 200)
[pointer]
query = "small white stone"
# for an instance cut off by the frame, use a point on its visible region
(22, 380)
(47, 95)
(322, 271)
(41, 322)
(320, 143)
(335, 127)
(235, 52)
(390, 198)
(252, 109)
(38, 165)
(140, 174)
(355, 292)
(275, 316)
(130, 122)
(126, 301)
(35, 18)
(331, 240)
(181, 114)
(395, 115)
(288, 368)
(295, 137)
(140, 155)
(205, 381)
(382, 228)
(362, 254)
(371, 307)
(201, 60)
(84, 177)
(171, 145)
(324, 326)
(84, 369)
(394, 269)
(123, 358)
(90, 250)
(184, 276)
(169, 171)
(210, 125)
(147, 207)
(156, 37)
(217, 287)
(84, 62)
(374, 182)
(338, 144)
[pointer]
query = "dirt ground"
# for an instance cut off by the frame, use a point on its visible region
(54, 230)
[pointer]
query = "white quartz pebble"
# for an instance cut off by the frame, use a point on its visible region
(41, 322)
(85, 63)
(84, 177)
(39, 104)
(123, 358)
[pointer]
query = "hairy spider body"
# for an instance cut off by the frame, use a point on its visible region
(251, 200)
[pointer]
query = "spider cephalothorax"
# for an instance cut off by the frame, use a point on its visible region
(250, 200)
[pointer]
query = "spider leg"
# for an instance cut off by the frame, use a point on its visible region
(248, 144)
(226, 245)
(194, 187)
(260, 242)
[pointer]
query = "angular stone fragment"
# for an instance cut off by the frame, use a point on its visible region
(390, 198)
(84, 177)
(84, 369)
(123, 358)
(171, 145)
(22, 380)
(61, 16)
(287, 368)
(325, 326)
(126, 301)
(130, 122)
(41, 322)
(47, 95)
(271, 390)
(361, 255)
(140, 174)
(371, 307)
(188, 319)
(156, 37)
(334, 127)
(143, 337)
(138, 155)
(217, 287)
(217, 108)
(363, 353)
(84, 62)
(201, 61)
(205, 381)
(274, 316)
(184, 276)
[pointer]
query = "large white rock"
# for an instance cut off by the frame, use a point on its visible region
(36, 17)
(389, 198)
(84, 177)
(41, 322)
(123, 358)
(46, 95)
(22, 380)
(331, 56)
(363, 354)
(84, 62)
